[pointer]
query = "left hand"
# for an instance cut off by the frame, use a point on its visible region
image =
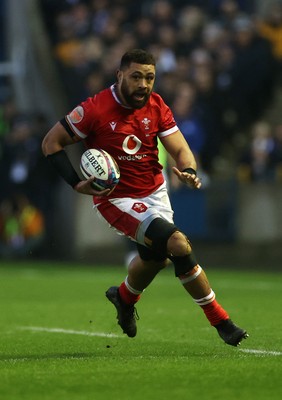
(85, 187)
(188, 179)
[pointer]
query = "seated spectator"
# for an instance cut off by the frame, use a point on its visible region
(19, 161)
(251, 72)
(22, 227)
(270, 27)
(258, 163)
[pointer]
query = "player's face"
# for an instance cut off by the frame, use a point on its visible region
(136, 84)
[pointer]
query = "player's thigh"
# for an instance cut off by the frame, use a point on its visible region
(132, 217)
(127, 217)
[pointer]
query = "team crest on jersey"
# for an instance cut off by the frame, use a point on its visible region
(76, 115)
(139, 207)
(146, 121)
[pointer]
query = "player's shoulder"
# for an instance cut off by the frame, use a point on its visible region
(98, 103)
(100, 97)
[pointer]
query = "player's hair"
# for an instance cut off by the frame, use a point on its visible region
(138, 56)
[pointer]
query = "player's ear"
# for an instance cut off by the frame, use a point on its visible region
(119, 75)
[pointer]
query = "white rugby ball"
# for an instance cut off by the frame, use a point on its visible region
(101, 165)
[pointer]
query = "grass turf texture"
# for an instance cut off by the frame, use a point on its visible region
(176, 354)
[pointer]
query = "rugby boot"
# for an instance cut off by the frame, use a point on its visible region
(231, 333)
(126, 313)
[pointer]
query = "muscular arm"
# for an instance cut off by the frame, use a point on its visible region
(53, 146)
(56, 139)
(179, 150)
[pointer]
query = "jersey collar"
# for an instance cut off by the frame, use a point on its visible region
(113, 90)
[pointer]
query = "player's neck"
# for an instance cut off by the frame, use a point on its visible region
(120, 96)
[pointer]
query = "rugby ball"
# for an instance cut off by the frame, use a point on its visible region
(102, 166)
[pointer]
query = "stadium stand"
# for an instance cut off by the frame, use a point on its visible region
(219, 70)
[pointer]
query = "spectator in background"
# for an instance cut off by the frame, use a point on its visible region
(20, 157)
(22, 227)
(190, 22)
(228, 11)
(23, 175)
(188, 118)
(8, 114)
(270, 27)
(144, 31)
(209, 103)
(258, 162)
(251, 72)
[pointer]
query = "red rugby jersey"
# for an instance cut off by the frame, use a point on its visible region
(129, 135)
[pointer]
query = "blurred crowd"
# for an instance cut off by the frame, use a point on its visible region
(218, 67)
(218, 62)
(261, 158)
(26, 199)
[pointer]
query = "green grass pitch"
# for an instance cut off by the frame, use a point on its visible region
(59, 338)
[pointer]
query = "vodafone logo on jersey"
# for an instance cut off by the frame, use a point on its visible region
(131, 144)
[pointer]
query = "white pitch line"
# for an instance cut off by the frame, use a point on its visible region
(262, 352)
(68, 331)
(112, 335)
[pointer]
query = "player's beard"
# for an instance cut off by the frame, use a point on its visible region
(132, 99)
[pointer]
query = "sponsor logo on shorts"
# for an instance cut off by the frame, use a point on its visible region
(139, 207)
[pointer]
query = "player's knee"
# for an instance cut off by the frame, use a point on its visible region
(178, 245)
(157, 236)
(167, 241)
(181, 254)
